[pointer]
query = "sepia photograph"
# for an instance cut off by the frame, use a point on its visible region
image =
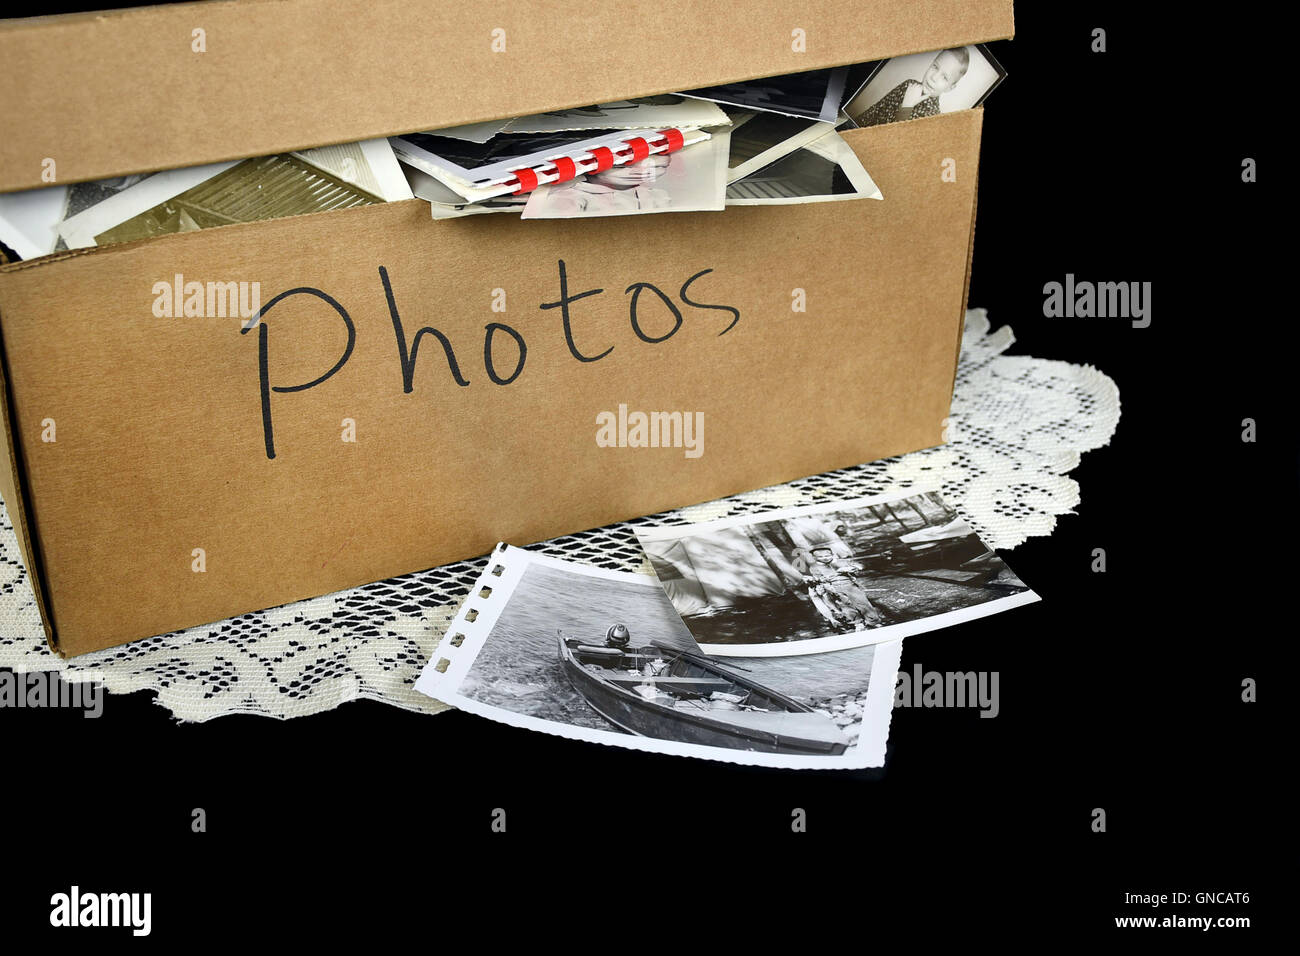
(603, 656)
(98, 206)
(824, 170)
(925, 84)
(825, 577)
(689, 180)
(199, 197)
(268, 188)
(369, 165)
(815, 94)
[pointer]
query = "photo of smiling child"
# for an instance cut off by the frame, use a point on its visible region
(925, 84)
(691, 180)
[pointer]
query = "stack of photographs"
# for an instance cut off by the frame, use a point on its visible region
(771, 640)
(39, 222)
(771, 141)
(467, 171)
(767, 141)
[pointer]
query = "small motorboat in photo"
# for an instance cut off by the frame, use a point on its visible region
(662, 692)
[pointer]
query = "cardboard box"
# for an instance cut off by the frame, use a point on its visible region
(187, 440)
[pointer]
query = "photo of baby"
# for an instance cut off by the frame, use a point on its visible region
(925, 84)
(691, 180)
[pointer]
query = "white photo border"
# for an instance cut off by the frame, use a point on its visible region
(478, 615)
(840, 642)
(833, 148)
(985, 52)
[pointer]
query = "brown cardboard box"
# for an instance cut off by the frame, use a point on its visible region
(165, 428)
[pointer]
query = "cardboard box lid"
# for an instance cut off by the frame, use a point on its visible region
(122, 92)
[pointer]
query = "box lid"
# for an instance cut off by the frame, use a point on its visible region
(149, 88)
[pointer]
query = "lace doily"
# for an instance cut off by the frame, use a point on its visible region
(1018, 426)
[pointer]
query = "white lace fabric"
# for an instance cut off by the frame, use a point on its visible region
(1017, 428)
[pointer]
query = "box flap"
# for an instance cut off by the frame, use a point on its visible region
(970, 262)
(14, 493)
(124, 92)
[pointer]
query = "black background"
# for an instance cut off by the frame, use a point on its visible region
(1119, 690)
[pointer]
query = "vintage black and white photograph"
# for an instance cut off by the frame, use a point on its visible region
(648, 112)
(925, 84)
(693, 179)
(815, 94)
(29, 220)
(760, 139)
(824, 170)
(474, 132)
(481, 164)
(603, 656)
(825, 577)
(445, 203)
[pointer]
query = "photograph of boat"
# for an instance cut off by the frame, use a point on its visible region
(662, 692)
(603, 656)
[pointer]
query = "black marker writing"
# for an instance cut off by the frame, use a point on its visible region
(407, 355)
(488, 331)
(635, 288)
(701, 305)
(563, 306)
(264, 362)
